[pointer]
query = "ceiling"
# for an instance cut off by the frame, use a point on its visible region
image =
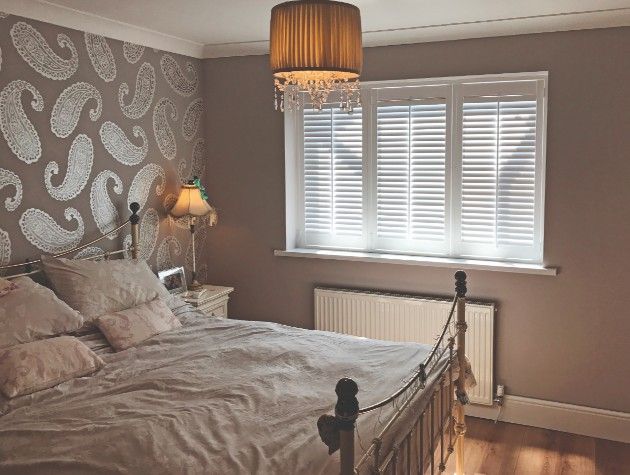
(216, 28)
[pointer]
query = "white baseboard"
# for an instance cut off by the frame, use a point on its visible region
(582, 420)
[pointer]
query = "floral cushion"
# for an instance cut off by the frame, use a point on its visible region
(6, 286)
(95, 288)
(38, 365)
(31, 312)
(129, 327)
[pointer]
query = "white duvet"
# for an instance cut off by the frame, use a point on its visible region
(214, 397)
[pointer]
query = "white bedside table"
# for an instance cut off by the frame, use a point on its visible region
(214, 302)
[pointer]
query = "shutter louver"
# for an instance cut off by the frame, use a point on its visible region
(498, 188)
(333, 175)
(411, 175)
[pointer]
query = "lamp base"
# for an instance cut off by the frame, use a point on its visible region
(195, 285)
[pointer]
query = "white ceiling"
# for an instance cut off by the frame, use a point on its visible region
(215, 28)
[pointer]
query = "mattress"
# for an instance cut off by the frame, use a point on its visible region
(213, 397)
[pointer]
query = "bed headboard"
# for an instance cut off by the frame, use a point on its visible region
(30, 267)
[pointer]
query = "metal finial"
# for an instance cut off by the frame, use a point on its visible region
(347, 407)
(134, 218)
(460, 283)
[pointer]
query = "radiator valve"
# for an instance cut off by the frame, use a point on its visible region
(498, 399)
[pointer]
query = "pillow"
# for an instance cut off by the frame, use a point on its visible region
(6, 286)
(95, 288)
(31, 367)
(129, 327)
(31, 312)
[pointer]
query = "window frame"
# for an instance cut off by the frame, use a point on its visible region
(371, 93)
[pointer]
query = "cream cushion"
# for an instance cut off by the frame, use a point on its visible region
(129, 327)
(42, 364)
(6, 286)
(95, 288)
(31, 312)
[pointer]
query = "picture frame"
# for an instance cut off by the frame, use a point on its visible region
(174, 280)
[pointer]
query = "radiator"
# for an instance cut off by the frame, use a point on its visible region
(410, 318)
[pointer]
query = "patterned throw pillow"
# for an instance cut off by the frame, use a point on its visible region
(95, 288)
(129, 327)
(6, 286)
(31, 367)
(31, 312)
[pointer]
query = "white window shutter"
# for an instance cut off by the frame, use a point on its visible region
(449, 167)
(411, 167)
(333, 177)
(499, 183)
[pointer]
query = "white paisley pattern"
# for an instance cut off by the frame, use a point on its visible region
(34, 49)
(148, 235)
(5, 248)
(89, 251)
(132, 52)
(104, 212)
(181, 170)
(120, 147)
(162, 130)
(67, 110)
(192, 118)
(80, 160)
(43, 232)
(141, 184)
(8, 178)
(198, 165)
(176, 77)
(101, 56)
(147, 239)
(169, 201)
(143, 97)
(169, 247)
(16, 127)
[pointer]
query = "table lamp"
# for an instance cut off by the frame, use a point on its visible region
(192, 203)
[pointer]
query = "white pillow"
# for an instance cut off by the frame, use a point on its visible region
(95, 288)
(129, 327)
(31, 312)
(31, 367)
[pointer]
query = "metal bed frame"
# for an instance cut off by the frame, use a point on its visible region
(440, 424)
(28, 267)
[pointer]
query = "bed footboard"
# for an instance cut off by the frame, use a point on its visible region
(412, 438)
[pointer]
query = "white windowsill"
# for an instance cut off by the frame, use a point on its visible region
(450, 263)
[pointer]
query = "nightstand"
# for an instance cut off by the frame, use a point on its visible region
(214, 302)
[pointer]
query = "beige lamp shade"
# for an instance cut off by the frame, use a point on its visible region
(311, 38)
(190, 203)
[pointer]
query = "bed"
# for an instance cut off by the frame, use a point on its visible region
(229, 396)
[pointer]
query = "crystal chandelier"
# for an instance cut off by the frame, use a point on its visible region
(315, 49)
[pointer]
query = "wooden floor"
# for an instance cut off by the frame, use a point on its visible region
(504, 449)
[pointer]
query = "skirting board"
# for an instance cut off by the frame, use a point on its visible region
(558, 416)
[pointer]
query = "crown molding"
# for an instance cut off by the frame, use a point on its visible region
(45, 11)
(456, 31)
(70, 18)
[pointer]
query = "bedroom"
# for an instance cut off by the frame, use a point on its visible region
(105, 104)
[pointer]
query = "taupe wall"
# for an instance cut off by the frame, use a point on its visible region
(562, 338)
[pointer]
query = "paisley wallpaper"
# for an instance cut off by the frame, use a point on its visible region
(89, 125)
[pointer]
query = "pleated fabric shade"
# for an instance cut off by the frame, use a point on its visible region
(316, 47)
(316, 35)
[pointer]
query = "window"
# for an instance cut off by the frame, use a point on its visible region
(447, 167)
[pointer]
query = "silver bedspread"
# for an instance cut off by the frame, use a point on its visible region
(214, 397)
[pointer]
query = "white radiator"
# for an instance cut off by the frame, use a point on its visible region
(410, 318)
